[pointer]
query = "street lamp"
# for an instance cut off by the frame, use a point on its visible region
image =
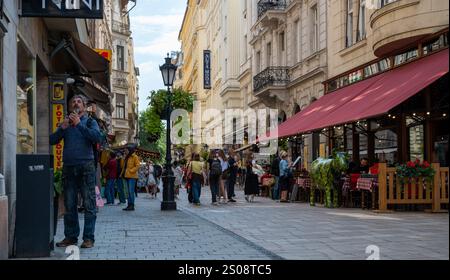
(168, 73)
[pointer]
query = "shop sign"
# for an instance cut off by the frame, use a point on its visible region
(106, 54)
(58, 117)
(207, 69)
(58, 91)
(63, 8)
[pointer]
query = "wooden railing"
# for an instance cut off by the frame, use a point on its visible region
(392, 191)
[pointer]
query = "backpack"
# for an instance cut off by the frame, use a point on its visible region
(216, 168)
(96, 146)
(158, 171)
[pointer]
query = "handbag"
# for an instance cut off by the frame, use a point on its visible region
(98, 198)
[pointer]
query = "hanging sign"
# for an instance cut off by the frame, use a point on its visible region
(63, 8)
(207, 69)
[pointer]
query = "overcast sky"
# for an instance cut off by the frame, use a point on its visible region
(155, 25)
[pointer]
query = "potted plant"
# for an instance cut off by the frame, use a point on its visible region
(412, 171)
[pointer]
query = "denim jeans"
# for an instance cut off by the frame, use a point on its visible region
(120, 190)
(131, 183)
(231, 182)
(196, 190)
(79, 178)
(110, 191)
(214, 185)
(276, 189)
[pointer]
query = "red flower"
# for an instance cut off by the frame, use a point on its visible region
(411, 164)
(426, 164)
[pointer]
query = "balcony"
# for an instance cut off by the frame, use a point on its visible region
(270, 5)
(272, 82)
(400, 24)
(121, 28)
(120, 79)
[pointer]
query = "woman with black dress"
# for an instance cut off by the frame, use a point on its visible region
(251, 183)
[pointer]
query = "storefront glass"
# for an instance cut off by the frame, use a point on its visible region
(386, 146)
(26, 87)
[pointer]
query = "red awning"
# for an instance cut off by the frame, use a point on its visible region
(369, 98)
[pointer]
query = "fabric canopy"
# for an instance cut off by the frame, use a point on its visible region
(368, 98)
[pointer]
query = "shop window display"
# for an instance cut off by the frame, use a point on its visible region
(26, 87)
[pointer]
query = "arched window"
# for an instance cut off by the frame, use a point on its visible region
(281, 117)
(296, 109)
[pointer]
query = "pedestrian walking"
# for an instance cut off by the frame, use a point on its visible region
(79, 133)
(275, 172)
(196, 168)
(251, 183)
(130, 172)
(231, 181)
(214, 172)
(119, 182)
(178, 174)
(111, 177)
(223, 190)
(143, 177)
(152, 184)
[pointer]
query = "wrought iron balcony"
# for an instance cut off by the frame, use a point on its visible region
(267, 5)
(272, 76)
(121, 27)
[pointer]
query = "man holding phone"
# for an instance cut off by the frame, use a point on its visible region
(79, 133)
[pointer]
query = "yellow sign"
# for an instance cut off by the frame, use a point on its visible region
(107, 54)
(58, 117)
(322, 151)
(58, 91)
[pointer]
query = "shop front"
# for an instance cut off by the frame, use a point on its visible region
(388, 112)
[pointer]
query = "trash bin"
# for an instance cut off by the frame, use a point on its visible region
(34, 231)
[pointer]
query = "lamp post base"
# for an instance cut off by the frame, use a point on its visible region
(168, 206)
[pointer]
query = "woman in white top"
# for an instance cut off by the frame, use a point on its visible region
(223, 191)
(151, 183)
(178, 174)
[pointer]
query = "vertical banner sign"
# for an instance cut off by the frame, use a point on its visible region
(58, 117)
(207, 69)
(57, 98)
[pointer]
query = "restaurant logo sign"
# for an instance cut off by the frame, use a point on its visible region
(63, 8)
(207, 69)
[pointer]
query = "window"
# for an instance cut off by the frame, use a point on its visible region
(349, 32)
(295, 41)
(361, 21)
(269, 55)
(121, 58)
(314, 29)
(120, 106)
(405, 57)
(385, 2)
(258, 62)
(282, 44)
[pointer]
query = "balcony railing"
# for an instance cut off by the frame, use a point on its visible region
(120, 79)
(267, 5)
(272, 76)
(121, 27)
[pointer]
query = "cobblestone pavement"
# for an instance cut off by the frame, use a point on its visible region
(262, 230)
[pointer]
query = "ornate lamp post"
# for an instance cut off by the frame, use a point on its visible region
(168, 71)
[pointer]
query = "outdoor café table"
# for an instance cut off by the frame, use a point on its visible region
(367, 184)
(304, 183)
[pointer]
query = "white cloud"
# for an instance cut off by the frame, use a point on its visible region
(160, 45)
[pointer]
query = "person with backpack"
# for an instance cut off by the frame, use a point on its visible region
(215, 172)
(275, 172)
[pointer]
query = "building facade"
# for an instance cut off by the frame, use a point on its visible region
(123, 77)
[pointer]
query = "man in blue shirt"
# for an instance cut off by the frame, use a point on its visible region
(79, 133)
